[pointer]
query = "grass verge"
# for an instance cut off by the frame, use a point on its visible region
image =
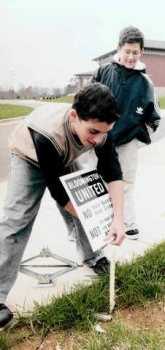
(8, 111)
(162, 102)
(11, 111)
(65, 99)
(69, 99)
(139, 283)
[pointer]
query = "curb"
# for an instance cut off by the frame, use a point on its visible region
(11, 119)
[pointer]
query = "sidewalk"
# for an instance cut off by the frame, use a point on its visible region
(50, 232)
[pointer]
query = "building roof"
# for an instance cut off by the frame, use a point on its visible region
(89, 73)
(154, 44)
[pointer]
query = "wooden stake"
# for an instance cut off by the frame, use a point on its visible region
(112, 281)
(108, 317)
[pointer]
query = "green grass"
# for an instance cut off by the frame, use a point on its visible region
(66, 99)
(69, 99)
(137, 283)
(8, 111)
(120, 337)
(12, 111)
(162, 102)
(140, 282)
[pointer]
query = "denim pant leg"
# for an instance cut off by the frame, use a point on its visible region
(69, 221)
(76, 229)
(83, 246)
(26, 186)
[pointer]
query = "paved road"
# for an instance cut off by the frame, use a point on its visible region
(5, 130)
(28, 103)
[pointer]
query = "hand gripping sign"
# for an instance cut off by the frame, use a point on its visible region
(90, 198)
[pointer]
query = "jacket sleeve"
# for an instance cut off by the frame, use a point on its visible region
(108, 165)
(51, 165)
(94, 78)
(152, 109)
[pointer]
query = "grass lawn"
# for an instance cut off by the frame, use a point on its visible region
(68, 322)
(69, 99)
(162, 102)
(12, 111)
(66, 99)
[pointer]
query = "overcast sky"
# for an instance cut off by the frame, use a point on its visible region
(46, 42)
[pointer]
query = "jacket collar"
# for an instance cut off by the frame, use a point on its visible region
(139, 65)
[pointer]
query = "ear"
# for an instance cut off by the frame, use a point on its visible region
(73, 115)
(118, 48)
(141, 52)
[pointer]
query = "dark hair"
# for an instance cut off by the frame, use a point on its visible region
(96, 101)
(131, 35)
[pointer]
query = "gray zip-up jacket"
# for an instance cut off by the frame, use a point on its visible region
(44, 138)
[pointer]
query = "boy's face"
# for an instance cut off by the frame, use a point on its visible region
(129, 54)
(89, 132)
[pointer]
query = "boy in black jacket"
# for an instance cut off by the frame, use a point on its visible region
(138, 109)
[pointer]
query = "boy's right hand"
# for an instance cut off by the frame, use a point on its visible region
(70, 208)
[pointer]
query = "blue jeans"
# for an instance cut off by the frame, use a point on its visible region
(26, 187)
(76, 230)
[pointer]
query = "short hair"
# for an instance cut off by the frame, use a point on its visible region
(96, 101)
(131, 35)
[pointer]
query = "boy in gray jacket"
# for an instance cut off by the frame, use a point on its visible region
(44, 147)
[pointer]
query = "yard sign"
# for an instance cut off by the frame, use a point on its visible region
(92, 203)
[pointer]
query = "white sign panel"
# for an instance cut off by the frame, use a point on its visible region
(92, 203)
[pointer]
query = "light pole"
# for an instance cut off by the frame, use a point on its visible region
(12, 83)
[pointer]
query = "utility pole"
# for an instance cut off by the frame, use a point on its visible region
(12, 83)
